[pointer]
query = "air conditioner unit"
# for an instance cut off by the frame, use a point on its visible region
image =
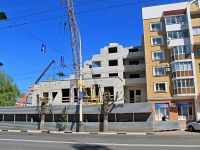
(167, 69)
(184, 24)
(172, 104)
(167, 65)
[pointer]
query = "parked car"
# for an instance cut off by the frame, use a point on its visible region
(192, 126)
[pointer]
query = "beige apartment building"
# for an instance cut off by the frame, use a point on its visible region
(172, 56)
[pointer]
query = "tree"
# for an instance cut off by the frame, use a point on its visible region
(8, 90)
(44, 102)
(106, 105)
(3, 16)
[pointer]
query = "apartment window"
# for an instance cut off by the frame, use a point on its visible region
(183, 83)
(156, 40)
(158, 55)
(45, 95)
(96, 75)
(159, 71)
(161, 110)
(181, 66)
(176, 50)
(113, 62)
(134, 62)
(175, 19)
(198, 51)
(112, 50)
(178, 34)
(156, 26)
(113, 74)
(134, 76)
(185, 111)
(196, 30)
(160, 87)
(133, 50)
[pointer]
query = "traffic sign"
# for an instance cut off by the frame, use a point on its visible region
(62, 59)
(43, 48)
(80, 94)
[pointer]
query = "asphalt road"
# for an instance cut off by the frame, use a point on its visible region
(44, 141)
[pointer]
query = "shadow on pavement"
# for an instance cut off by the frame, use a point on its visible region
(90, 147)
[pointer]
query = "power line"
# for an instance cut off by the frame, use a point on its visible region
(50, 10)
(134, 3)
(21, 4)
(20, 57)
(25, 41)
(39, 39)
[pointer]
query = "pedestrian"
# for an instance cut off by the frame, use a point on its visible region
(164, 118)
(32, 119)
(86, 120)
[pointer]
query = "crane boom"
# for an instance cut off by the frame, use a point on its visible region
(32, 87)
(75, 36)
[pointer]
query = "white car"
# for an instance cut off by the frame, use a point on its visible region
(192, 126)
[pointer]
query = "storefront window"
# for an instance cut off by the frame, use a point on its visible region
(185, 111)
(161, 110)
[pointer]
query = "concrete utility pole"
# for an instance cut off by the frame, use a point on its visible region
(77, 58)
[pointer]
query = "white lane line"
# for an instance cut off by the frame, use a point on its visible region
(104, 144)
(139, 139)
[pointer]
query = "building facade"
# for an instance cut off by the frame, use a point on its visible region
(172, 56)
(115, 69)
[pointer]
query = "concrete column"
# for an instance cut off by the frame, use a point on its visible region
(3, 118)
(115, 117)
(14, 117)
(133, 117)
(26, 117)
(52, 117)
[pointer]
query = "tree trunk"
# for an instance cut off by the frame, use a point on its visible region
(43, 112)
(105, 111)
(105, 123)
(42, 122)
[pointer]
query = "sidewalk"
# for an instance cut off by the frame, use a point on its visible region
(70, 132)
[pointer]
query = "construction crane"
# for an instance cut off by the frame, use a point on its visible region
(32, 87)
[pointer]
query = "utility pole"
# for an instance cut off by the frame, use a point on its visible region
(77, 57)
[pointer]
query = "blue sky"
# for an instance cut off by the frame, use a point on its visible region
(20, 45)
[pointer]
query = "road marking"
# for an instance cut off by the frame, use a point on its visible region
(139, 139)
(104, 144)
(193, 140)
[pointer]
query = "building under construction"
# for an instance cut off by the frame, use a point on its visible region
(115, 69)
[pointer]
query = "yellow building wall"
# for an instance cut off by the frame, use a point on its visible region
(197, 62)
(150, 63)
(195, 22)
(194, 7)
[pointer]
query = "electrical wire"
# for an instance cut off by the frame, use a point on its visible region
(51, 10)
(40, 40)
(25, 42)
(21, 4)
(134, 3)
(21, 57)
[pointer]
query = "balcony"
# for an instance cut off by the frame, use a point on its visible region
(195, 22)
(131, 68)
(176, 27)
(139, 54)
(174, 42)
(196, 39)
(134, 81)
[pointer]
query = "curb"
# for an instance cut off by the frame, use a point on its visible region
(68, 132)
